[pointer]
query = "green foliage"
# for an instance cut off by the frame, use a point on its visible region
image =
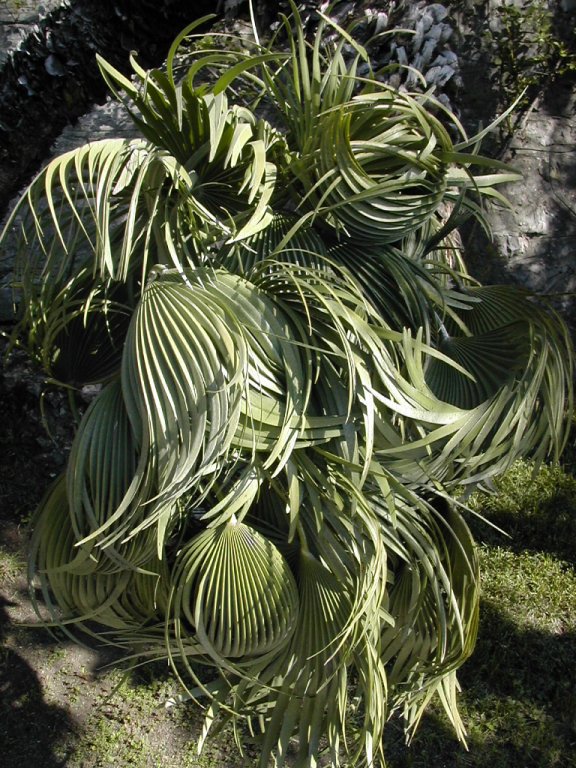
(518, 696)
(522, 594)
(528, 50)
(296, 375)
(10, 565)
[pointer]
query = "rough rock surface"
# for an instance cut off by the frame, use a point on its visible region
(534, 242)
(17, 21)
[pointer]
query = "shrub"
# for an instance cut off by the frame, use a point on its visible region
(296, 376)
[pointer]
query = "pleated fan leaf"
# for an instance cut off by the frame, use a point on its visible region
(433, 600)
(235, 592)
(76, 589)
(403, 292)
(297, 374)
(275, 402)
(225, 149)
(294, 691)
(491, 359)
(303, 692)
(77, 337)
(303, 247)
(486, 307)
(103, 471)
(87, 347)
(92, 207)
(313, 78)
(183, 377)
(175, 114)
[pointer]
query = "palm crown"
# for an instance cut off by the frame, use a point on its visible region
(297, 375)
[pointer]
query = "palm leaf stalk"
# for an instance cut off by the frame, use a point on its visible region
(297, 375)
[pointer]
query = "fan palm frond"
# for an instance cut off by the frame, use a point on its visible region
(78, 585)
(297, 376)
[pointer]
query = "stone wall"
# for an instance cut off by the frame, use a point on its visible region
(18, 19)
(533, 242)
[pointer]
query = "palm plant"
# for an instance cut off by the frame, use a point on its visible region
(297, 375)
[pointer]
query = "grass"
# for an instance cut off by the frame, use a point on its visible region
(519, 688)
(11, 565)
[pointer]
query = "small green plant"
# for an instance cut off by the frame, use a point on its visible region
(528, 53)
(10, 565)
(296, 373)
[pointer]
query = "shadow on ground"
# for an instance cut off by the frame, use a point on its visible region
(30, 728)
(534, 532)
(518, 704)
